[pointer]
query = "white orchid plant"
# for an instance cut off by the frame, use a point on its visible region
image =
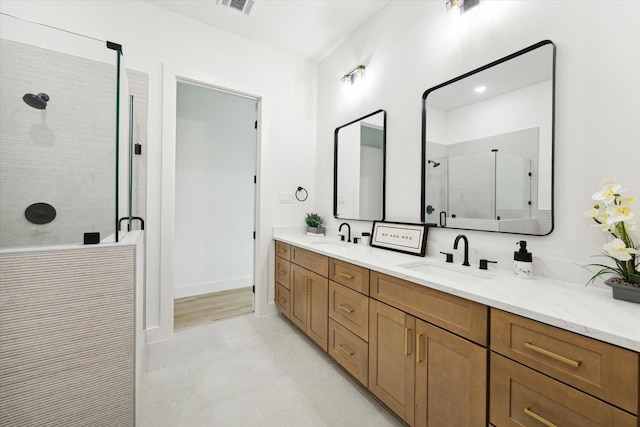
(612, 214)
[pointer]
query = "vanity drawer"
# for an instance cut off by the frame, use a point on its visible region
(283, 298)
(352, 276)
(349, 308)
(600, 369)
(458, 315)
(283, 272)
(523, 397)
(349, 351)
(283, 250)
(310, 260)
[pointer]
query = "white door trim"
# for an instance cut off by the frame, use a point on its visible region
(170, 76)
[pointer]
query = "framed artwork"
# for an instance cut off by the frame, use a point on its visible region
(400, 237)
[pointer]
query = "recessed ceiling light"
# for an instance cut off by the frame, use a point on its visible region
(480, 89)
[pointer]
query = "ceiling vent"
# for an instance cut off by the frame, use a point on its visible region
(243, 6)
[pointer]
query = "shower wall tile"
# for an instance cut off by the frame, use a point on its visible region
(64, 155)
(139, 87)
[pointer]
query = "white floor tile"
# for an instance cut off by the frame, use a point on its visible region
(251, 371)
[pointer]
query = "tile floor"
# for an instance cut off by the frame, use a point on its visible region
(251, 371)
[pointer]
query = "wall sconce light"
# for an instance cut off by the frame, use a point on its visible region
(354, 75)
(460, 6)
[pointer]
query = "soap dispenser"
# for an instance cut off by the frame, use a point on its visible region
(523, 262)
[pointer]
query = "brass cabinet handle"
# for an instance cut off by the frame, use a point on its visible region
(539, 418)
(282, 300)
(282, 250)
(346, 350)
(306, 285)
(282, 271)
(574, 363)
(346, 308)
(418, 360)
(345, 275)
(406, 341)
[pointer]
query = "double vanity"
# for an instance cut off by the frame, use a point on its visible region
(446, 345)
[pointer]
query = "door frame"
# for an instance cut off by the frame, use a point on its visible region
(171, 75)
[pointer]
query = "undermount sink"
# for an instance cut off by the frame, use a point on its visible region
(325, 243)
(447, 273)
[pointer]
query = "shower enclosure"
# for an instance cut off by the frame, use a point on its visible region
(459, 185)
(65, 138)
(71, 315)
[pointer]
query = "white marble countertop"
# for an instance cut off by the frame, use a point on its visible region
(588, 311)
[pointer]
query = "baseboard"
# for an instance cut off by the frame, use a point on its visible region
(206, 288)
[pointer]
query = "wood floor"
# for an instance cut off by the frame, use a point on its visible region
(202, 309)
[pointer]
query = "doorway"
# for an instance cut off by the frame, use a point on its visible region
(215, 169)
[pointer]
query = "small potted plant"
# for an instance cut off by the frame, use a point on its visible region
(314, 224)
(612, 214)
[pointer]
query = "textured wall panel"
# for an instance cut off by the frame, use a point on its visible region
(67, 337)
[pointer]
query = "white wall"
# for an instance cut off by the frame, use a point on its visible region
(214, 209)
(408, 48)
(151, 37)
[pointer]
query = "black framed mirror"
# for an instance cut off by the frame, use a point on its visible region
(487, 146)
(359, 164)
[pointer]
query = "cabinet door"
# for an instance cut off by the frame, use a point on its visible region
(391, 358)
(318, 309)
(451, 379)
(298, 302)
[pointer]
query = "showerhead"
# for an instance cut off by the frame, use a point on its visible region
(435, 164)
(38, 101)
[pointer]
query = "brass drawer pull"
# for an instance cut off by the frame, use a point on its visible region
(346, 350)
(539, 418)
(418, 360)
(282, 300)
(574, 363)
(282, 272)
(282, 250)
(406, 341)
(346, 308)
(346, 276)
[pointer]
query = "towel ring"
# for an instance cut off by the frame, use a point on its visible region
(304, 197)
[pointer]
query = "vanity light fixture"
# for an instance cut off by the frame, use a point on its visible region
(480, 89)
(354, 75)
(460, 6)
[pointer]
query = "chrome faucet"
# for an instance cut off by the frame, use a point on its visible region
(466, 247)
(348, 230)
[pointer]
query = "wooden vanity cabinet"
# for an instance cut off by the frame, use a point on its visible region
(600, 369)
(463, 317)
(543, 375)
(282, 278)
(392, 358)
(283, 250)
(423, 353)
(521, 396)
(349, 275)
(283, 299)
(426, 375)
(309, 303)
(451, 379)
(349, 318)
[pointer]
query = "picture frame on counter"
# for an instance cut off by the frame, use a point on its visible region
(402, 237)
